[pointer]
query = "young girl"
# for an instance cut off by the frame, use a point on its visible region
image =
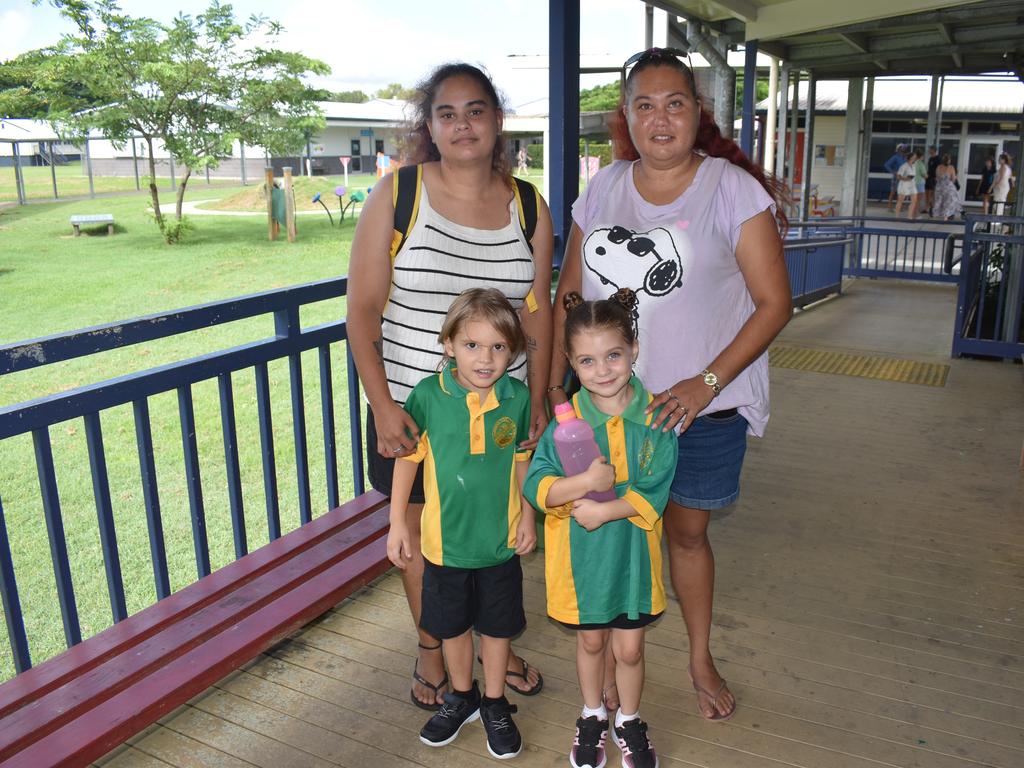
(603, 559)
(474, 524)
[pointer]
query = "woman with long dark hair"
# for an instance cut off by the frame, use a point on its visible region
(685, 220)
(467, 234)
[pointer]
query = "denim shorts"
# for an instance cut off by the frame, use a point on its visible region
(710, 459)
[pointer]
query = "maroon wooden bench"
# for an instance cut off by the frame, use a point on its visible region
(76, 707)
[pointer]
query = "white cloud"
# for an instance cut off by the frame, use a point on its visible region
(15, 25)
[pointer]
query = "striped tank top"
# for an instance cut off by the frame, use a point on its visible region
(440, 260)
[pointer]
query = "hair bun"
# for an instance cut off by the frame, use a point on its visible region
(627, 298)
(571, 300)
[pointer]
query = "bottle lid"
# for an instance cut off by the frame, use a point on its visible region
(564, 411)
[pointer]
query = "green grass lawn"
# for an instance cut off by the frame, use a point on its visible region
(52, 282)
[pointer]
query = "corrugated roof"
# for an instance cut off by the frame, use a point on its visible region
(1003, 97)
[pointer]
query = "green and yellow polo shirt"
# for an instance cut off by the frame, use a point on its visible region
(594, 576)
(469, 450)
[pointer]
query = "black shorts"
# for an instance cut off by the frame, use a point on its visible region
(379, 470)
(622, 621)
(489, 600)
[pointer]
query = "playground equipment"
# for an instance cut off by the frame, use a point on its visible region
(355, 197)
(316, 199)
(280, 205)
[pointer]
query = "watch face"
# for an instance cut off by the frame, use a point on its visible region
(710, 379)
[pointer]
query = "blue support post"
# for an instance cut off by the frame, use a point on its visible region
(327, 418)
(55, 533)
(193, 480)
(151, 495)
(749, 91)
(267, 451)
(105, 516)
(355, 423)
(11, 602)
(230, 433)
(564, 115)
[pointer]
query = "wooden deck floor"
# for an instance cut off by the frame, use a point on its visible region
(868, 607)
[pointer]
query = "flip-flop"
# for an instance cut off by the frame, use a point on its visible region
(717, 717)
(538, 686)
(426, 683)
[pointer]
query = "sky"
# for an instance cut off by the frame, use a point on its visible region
(370, 43)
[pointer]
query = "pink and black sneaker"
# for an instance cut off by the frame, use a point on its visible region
(588, 744)
(636, 748)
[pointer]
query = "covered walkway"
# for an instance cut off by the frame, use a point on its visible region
(868, 605)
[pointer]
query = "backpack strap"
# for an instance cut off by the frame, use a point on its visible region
(405, 196)
(526, 203)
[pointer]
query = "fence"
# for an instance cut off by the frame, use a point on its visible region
(990, 299)
(90, 403)
(815, 267)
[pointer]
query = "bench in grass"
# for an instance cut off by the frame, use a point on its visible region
(89, 220)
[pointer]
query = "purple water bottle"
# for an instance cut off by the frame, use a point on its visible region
(577, 448)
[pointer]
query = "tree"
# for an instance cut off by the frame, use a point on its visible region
(196, 84)
(350, 97)
(395, 91)
(19, 96)
(600, 98)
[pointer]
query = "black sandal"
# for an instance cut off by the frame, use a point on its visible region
(426, 683)
(522, 675)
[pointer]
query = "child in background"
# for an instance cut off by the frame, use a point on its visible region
(475, 523)
(603, 559)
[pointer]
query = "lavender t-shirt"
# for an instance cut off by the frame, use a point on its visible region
(680, 259)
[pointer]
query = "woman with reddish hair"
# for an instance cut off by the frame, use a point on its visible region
(686, 221)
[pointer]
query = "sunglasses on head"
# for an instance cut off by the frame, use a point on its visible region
(656, 56)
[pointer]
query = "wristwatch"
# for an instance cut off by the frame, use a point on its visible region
(712, 381)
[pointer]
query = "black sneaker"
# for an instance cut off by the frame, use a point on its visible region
(503, 739)
(636, 749)
(588, 746)
(444, 727)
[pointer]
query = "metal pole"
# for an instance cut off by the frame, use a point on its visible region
(241, 152)
(805, 198)
(770, 122)
(794, 123)
(53, 170)
(135, 165)
(780, 156)
(931, 140)
(88, 165)
(864, 181)
(563, 90)
(19, 181)
(749, 91)
(648, 27)
(170, 161)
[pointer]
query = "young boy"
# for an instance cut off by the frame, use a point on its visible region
(475, 524)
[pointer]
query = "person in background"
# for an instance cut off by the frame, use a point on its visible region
(892, 165)
(947, 191)
(988, 176)
(929, 179)
(907, 189)
(1001, 184)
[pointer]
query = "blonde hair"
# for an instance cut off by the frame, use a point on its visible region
(490, 305)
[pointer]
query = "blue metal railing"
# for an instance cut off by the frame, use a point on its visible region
(990, 298)
(887, 247)
(89, 402)
(815, 267)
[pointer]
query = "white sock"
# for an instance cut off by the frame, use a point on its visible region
(600, 713)
(621, 718)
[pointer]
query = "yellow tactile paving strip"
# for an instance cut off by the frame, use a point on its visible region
(864, 366)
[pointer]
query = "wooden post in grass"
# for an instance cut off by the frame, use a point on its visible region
(289, 205)
(272, 226)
